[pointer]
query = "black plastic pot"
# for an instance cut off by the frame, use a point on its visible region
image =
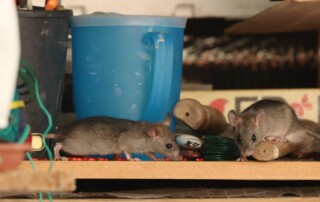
(44, 41)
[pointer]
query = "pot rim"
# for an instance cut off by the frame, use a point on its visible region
(15, 146)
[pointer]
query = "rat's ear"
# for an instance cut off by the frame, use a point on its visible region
(154, 131)
(168, 120)
(233, 118)
(260, 117)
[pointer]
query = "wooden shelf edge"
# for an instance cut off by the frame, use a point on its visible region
(275, 170)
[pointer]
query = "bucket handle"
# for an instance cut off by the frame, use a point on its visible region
(162, 64)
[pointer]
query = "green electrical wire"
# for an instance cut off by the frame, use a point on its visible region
(25, 134)
(30, 77)
(49, 124)
(35, 170)
(29, 80)
(32, 162)
(10, 133)
(27, 71)
(216, 148)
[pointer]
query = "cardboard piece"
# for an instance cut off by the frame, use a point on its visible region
(286, 16)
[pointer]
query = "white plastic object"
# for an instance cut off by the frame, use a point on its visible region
(9, 57)
(29, 5)
(187, 141)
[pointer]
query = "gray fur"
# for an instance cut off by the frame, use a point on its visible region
(266, 119)
(104, 135)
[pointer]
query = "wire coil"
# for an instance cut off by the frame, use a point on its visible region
(216, 148)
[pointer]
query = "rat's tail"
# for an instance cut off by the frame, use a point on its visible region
(313, 134)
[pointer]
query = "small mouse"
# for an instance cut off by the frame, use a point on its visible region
(266, 120)
(105, 135)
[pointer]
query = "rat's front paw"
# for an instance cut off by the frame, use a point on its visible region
(273, 139)
(60, 158)
(134, 159)
(242, 159)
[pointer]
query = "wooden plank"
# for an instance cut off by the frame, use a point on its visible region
(284, 199)
(29, 182)
(286, 16)
(274, 170)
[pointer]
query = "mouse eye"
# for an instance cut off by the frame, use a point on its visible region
(254, 138)
(239, 138)
(169, 146)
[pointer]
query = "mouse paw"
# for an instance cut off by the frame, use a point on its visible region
(273, 139)
(242, 159)
(61, 158)
(134, 159)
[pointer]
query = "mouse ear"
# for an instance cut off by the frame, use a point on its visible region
(168, 120)
(233, 118)
(154, 132)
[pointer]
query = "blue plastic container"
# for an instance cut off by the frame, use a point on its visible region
(127, 66)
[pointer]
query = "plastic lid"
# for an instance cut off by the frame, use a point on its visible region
(113, 19)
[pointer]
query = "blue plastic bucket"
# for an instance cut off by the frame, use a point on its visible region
(126, 66)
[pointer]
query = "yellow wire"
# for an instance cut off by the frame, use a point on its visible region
(17, 104)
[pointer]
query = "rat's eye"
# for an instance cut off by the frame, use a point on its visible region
(169, 146)
(254, 138)
(239, 138)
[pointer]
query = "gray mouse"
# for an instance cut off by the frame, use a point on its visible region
(266, 120)
(105, 135)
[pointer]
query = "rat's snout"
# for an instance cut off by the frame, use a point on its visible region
(176, 156)
(248, 151)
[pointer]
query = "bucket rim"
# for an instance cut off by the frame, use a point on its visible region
(113, 19)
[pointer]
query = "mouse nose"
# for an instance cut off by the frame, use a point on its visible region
(248, 152)
(177, 156)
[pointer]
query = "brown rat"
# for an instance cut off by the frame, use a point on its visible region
(267, 120)
(104, 135)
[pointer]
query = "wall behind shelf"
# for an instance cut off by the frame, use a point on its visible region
(190, 8)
